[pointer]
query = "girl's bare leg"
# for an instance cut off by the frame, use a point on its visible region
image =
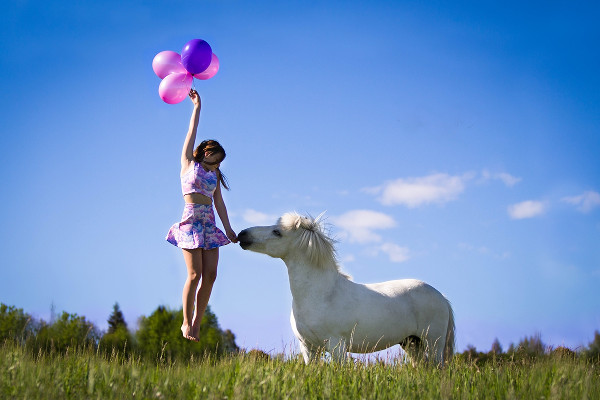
(193, 263)
(210, 259)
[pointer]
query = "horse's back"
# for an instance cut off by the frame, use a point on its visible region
(419, 296)
(404, 287)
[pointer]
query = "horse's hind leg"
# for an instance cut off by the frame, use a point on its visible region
(414, 348)
(438, 351)
(435, 340)
(338, 349)
(433, 350)
(425, 349)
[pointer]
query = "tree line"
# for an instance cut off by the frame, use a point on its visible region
(157, 338)
(531, 348)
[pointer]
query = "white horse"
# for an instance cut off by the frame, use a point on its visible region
(332, 313)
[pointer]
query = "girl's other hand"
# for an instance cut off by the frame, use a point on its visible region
(231, 235)
(195, 97)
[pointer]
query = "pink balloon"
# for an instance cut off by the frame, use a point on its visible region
(175, 87)
(167, 62)
(211, 71)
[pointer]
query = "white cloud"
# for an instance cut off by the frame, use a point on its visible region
(257, 218)
(506, 178)
(585, 202)
(526, 209)
(413, 192)
(396, 253)
(359, 225)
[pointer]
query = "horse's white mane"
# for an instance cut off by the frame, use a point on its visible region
(312, 239)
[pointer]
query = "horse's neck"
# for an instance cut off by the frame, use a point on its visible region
(310, 283)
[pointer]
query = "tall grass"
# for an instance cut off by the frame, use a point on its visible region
(86, 373)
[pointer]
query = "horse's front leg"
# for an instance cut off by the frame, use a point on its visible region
(308, 352)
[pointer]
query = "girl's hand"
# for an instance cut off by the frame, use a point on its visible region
(231, 235)
(195, 97)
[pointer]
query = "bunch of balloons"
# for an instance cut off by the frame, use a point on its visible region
(178, 71)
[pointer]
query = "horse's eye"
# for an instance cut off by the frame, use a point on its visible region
(276, 232)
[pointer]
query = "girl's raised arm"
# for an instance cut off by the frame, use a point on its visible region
(187, 154)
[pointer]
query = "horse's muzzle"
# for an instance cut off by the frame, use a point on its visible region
(245, 239)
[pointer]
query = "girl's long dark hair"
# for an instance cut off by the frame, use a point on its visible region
(212, 147)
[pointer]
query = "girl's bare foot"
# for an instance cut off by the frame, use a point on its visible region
(187, 333)
(195, 331)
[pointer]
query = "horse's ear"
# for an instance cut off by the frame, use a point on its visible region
(289, 221)
(320, 217)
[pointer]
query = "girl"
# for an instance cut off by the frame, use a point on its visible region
(197, 234)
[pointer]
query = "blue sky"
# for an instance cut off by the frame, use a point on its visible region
(454, 143)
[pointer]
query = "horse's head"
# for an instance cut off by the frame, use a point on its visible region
(292, 236)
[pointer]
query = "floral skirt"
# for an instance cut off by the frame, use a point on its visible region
(197, 229)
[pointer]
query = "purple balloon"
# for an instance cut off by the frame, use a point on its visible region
(196, 56)
(211, 71)
(175, 87)
(167, 62)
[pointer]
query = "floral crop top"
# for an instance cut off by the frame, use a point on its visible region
(197, 180)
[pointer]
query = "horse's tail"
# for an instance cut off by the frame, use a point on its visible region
(450, 335)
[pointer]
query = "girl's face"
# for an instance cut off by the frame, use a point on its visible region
(212, 161)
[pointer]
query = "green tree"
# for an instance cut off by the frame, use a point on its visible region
(471, 352)
(593, 350)
(159, 336)
(529, 347)
(68, 330)
(229, 345)
(14, 324)
(496, 347)
(116, 319)
(118, 336)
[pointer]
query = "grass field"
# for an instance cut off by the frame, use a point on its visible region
(86, 374)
